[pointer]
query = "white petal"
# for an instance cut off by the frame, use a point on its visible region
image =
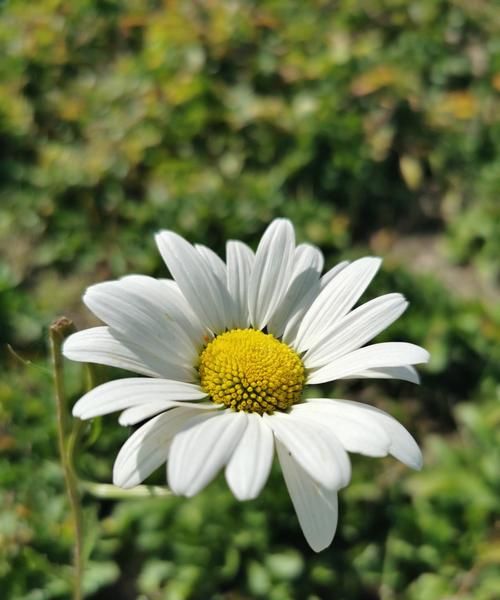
(201, 449)
(218, 267)
(168, 298)
(316, 507)
(388, 354)
(138, 318)
(336, 300)
(124, 393)
(141, 412)
(404, 373)
(215, 262)
(147, 448)
(302, 290)
(307, 256)
(314, 447)
(240, 260)
(403, 446)
(293, 324)
(207, 295)
(271, 271)
(99, 345)
(248, 468)
(356, 430)
(355, 329)
(333, 272)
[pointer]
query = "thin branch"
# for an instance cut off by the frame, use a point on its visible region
(25, 361)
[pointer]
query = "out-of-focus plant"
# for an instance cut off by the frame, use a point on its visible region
(117, 116)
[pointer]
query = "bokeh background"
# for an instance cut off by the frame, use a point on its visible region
(375, 126)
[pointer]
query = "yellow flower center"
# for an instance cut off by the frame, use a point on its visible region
(251, 371)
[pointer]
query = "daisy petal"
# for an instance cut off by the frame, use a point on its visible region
(293, 325)
(388, 354)
(307, 257)
(147, 448)
(141, 412)
(240, 260)
(356, 431)
(271, 271)
(207, 295)
(219, 268)
(99, 345)
(403, 446)
(215, 262)
(168, 299)
(364, 429)
(336, 300)
(316, 507)
(303, 288)
(355, 329)
(406, 373)
(125, 393)
(333, 272)
(201, 449)
(313, 447)
(248, 469)
(135, 317)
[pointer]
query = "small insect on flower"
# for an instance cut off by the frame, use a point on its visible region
(227, 349)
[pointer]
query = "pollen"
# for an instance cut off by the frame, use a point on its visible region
(251, 371)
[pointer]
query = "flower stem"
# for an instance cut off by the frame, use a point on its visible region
(58, 331)
(111, 492)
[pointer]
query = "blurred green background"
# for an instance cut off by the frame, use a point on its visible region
(375, 126)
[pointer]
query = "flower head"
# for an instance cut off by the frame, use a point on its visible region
(227, 349)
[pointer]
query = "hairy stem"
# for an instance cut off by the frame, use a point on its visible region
(58, 331)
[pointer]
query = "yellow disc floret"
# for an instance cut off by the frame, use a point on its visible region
(251, 371)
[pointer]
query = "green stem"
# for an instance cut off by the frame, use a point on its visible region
(59, 330)
(111, 492)
(90, 376)
(72, 441)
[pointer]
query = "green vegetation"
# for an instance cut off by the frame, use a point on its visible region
(374, 126)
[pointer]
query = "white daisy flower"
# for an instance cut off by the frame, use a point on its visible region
(227, 349)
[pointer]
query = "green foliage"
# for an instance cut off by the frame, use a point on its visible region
(375, 127)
